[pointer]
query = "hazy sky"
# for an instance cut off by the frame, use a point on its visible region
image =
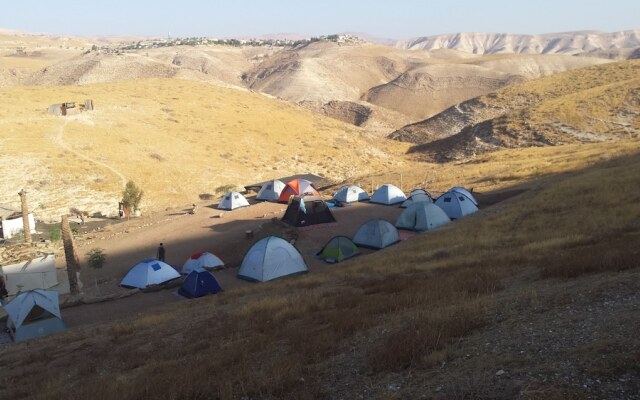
(383, 18)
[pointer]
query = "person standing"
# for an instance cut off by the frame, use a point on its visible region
(161, 252)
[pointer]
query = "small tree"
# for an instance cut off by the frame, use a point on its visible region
(96, 259)
(224, 188)
(132, 196)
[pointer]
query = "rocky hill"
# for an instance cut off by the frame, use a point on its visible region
(613, 45)
(598, 103)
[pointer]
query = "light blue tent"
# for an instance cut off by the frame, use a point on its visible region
(388, 194)
(350, 194)
(34, 313)
(271, 258)
(456, 204)
(149, 272)
(465, 192)
(376, 234)
(422, 216)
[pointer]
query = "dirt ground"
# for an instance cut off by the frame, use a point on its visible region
(184, 234)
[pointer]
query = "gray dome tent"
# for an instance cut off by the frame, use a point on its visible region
(350, 194)
(271, 258)
(422, 216)
(456, 204)
(232, 200)
(376, 234)
(270, 191)
(388, 194)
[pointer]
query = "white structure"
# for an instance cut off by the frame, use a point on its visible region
(422, 216)
(271, 190)
(388, 194)
(11, 222)
(149, 272)
(350, 194)
(34, 313)
(232, 200)
(456, 204)
(271, 258)
(39, 273)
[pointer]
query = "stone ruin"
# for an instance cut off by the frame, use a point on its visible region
(64, 109)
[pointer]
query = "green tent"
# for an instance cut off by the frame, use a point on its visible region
(337, 249)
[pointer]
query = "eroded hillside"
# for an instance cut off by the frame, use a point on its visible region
(591, 104)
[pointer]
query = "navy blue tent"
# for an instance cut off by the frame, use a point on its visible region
(199, 283)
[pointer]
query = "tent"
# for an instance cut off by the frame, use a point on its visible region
(465, 192)
(34, 313)
(232, 200)
(199, 283)
(376, 234)
(456, 204)
(270, 191)
(419, 191)
(422, 216)
(149, 272)
(39, 273)
(203, 260)
(350, 194)
(271, 258)
(306, 211)
(416, 198)
(297, 187)
(337, 249)
(388, 194)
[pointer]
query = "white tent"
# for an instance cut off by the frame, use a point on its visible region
(34, 313)
(416, 198)
(232, 200)
(456, 204)
(271, 190)
(149, 272)
(388, 194)
(39, 273)
(271, 258)
(422, 216)
(350, 194)
(465, 192)
(376, 234)
(203, 260)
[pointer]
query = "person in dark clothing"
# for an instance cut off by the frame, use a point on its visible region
(3, 289)
(161, 252)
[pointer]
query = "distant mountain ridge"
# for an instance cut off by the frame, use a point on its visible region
(614, 44)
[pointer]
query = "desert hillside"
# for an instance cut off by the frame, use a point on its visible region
(376, 87)
(416, 84)
(517, 300)
(177, 139)
(592, 104)
(600, 44)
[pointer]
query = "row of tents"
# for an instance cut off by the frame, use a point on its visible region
(457, 202)
(37, 313)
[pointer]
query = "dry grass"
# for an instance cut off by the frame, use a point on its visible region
(403, 309)
(225, 136)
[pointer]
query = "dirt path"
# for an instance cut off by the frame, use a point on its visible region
(58, 139)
